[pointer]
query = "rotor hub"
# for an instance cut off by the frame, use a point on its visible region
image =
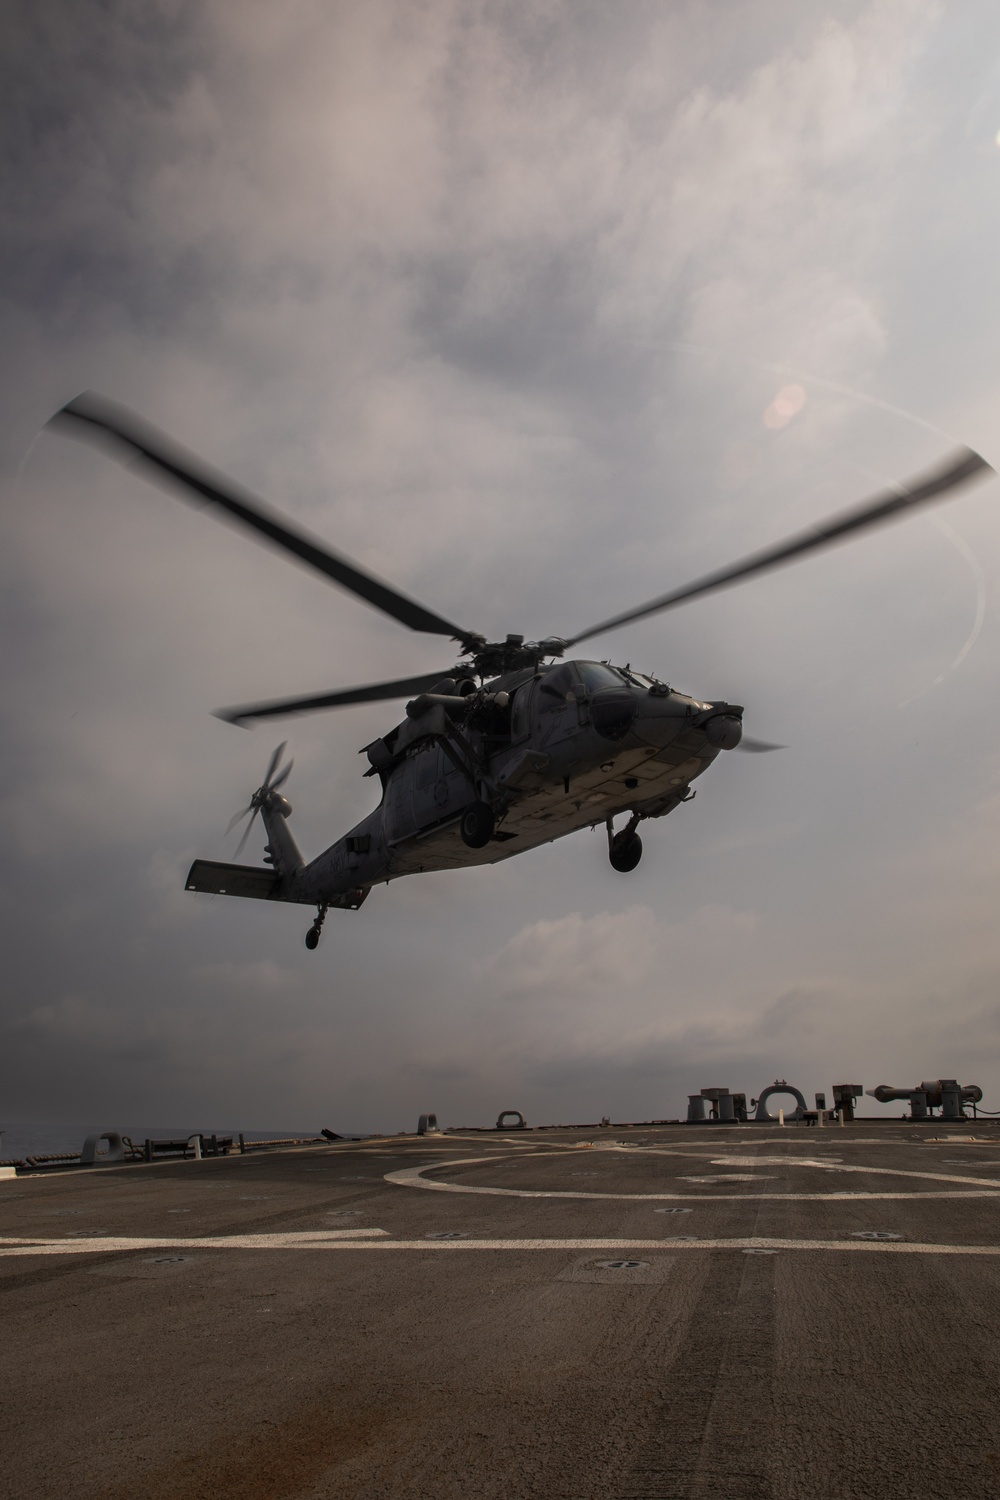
(494, 658)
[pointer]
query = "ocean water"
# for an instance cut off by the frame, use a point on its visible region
(20, 1139)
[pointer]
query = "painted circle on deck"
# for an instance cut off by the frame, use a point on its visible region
(953, 1186)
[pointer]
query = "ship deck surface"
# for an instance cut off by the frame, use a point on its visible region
(572, 1314)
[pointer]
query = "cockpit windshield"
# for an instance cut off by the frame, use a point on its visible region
(597, 675)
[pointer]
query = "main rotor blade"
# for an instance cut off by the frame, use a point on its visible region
(95, 417)
(374, 692)
(757, 747)
(958, 469)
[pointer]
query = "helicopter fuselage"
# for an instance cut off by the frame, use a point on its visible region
(547, 751)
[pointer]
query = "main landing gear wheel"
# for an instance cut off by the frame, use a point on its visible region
(624, 848)
(477, 825)
(625, 852)
(312, 936)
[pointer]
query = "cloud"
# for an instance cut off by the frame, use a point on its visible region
(71, 1018)
(575, 956)
(496, 300)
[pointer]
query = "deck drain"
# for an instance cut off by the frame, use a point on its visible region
(671, 1210)
(621, 1271)
(168, 1260)
(758, 1250)
(447, 1234)
(343, 1213)
(675, 1237)
(875, 1234)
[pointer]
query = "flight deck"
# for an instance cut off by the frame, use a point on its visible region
(623, 1313)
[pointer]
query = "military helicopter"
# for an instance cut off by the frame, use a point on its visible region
(510, 748)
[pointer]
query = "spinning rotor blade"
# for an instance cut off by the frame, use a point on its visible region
(238, 818)
(246, 834)
(272, 766)
(374, 692)
(757, 747)
(116, 427)
(281, 777)
(260, 794)
(957, 470)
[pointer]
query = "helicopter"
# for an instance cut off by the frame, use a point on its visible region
(511, 747)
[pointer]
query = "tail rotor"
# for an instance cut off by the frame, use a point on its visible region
(270, 784)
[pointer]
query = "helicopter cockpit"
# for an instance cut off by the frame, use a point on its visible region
(578, 679)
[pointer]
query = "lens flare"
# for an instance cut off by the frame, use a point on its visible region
(787, 404)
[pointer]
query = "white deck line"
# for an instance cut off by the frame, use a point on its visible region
(282, 1242)
(980, 1187)
(307, 1240)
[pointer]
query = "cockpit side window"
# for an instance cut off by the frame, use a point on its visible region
(559, 685)
(597, 675)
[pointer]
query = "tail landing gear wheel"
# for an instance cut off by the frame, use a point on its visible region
(624, 856)
(477, 825)
(312, 936)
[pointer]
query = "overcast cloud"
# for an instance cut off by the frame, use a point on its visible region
(498, 298)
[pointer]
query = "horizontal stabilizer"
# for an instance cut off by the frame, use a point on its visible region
(232, 880)
(217, 879)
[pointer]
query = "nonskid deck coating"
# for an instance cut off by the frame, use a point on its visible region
(555, 1314)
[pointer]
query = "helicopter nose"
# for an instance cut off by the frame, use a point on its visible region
(725, 730)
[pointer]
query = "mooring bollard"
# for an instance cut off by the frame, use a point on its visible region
(91, 1157)
(428, 1125)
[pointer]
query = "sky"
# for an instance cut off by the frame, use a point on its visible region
(537, 311)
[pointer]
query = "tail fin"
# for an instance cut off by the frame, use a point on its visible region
(282, 850)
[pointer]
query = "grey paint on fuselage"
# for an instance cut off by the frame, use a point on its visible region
(553, 770)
